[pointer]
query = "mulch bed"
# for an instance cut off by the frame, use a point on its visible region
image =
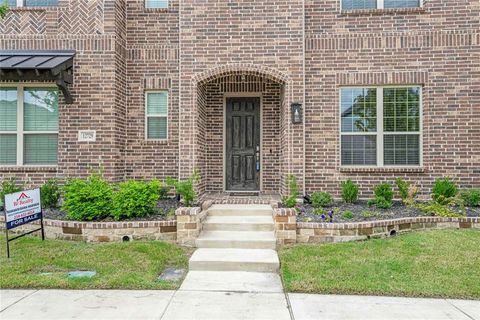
(362, 212)
(165, 211)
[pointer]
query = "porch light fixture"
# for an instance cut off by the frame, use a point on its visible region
(296, 113)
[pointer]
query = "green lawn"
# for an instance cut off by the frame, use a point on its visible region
(428, 264)
(131, 265)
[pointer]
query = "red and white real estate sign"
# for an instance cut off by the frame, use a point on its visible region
(22, 207)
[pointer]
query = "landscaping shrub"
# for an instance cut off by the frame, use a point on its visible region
(321, 199)
(444, 190)
(349, 191)
(50, 194)
(135, 199)
(471, 197)
(403, 187)
(319, 211)
(185, 188)
(291, 200)
(383, 196)
(164, 189)
(348, 215)
(9, 186)
(369, 214)
(89, 199)
(440, 210)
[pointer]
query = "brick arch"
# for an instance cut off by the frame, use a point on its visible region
(244, 69)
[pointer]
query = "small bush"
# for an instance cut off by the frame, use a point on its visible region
(369, 214)
(321, 199)
(471, 197)
(135, 199)
(89, 199)
(9, 186)
(319, 211)
(50, 194)
(291, 200)
(403, 187)
(349, 191)
(185, 188)
(444, 190)
(164, 190)
(347, 215)
(383, 196)
(440, 210)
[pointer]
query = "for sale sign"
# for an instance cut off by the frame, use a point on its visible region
(22, 207)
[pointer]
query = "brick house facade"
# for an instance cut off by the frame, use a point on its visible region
(284, 52)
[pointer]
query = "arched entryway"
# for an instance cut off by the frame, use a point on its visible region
(241, 129)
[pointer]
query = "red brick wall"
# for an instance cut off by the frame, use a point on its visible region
(437, 47)
(124, 49)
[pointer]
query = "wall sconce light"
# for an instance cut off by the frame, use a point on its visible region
(296, 113)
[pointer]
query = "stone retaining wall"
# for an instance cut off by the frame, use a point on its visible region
(308, 232)
(102, 231)
(189, 223)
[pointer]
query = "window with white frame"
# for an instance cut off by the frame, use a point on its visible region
(156, 115)
(28, 125)
(379, 4)
(156, 4)
(380, 126)
(32, 3)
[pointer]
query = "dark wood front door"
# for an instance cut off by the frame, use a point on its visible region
(243, 144)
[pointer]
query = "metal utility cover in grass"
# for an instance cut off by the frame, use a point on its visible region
(172, 274)
(82, 274)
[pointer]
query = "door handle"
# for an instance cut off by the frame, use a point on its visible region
(257, 158)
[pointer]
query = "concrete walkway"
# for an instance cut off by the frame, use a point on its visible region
(209, 305)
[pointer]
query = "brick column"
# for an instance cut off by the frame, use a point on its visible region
(189, 223)
(285, 225)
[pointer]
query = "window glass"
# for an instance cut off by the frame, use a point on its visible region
(162, 4)
(401, 3)
(358, 4)
(40, 3)
(401, 109)
(157, 128)
(359, 150)
(401, 150)
(359, 110)
(40, 109)
(8, 109)
(40, 149)
(8, 149)
(157, 103)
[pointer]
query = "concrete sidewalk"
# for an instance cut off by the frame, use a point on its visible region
(148, 304)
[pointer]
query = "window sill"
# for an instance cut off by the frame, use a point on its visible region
(383, 169)
(156, 142)
(362, 12)
(157, 10)
(21, 169)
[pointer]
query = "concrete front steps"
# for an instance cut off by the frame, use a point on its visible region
(237, 238)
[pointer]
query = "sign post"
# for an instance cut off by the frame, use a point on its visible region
(22, 208)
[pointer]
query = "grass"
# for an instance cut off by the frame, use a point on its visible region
(130, 265)
(421, 264)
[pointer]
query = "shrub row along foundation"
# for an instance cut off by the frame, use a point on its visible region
(188, 226)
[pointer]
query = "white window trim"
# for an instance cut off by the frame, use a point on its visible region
(147, 7)
(380, 5)
(156, 116)
(20, 132)
(380, 132)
